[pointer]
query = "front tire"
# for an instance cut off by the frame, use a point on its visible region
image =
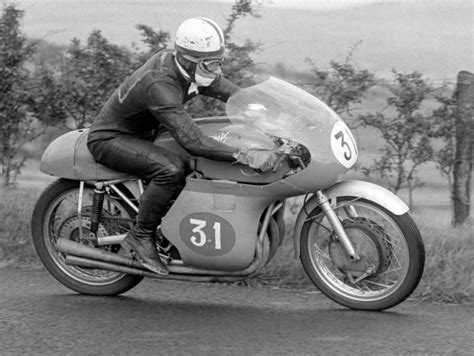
(55, 216)
(391, 245)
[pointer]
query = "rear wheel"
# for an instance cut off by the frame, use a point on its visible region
(391, 249)
(55, 216)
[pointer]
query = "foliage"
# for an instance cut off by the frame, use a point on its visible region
(406, 133)
(342, 85)
(444, 128)
(155, 42)
(89, 75)
(17, 126)
(68, 90)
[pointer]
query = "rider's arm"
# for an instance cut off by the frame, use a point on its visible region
(164, 101)
(221, 89)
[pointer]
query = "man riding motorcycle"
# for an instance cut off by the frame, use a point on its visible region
(121, 137)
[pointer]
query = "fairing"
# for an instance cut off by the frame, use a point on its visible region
(279, 109)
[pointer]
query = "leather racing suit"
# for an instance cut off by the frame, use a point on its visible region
(121, 136)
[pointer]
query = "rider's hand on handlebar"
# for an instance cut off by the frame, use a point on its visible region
(260, 159)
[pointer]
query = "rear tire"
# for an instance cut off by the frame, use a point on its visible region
(46, 224)
(399, 253)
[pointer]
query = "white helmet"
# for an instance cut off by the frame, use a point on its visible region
(199, 38)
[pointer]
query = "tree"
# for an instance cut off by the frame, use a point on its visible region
(16, 124)
(444, 128)
(154, 41)
(406, 133)
(342, 85)
(89, 74)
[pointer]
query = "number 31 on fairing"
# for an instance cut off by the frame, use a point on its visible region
(207, 234)
(343, 144)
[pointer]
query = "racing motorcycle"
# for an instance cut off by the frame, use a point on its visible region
(356, 240)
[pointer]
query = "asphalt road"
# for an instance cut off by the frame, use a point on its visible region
(38, 316)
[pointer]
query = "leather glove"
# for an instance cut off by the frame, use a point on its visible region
(262, 160)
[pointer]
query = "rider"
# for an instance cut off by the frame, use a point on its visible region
(121, 137)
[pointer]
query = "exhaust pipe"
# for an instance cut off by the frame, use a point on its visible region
(76, 249)
(88, 257)
(88, 263)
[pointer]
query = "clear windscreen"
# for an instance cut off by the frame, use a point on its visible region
(280, 109)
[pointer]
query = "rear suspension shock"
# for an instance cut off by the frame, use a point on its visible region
(97, 203)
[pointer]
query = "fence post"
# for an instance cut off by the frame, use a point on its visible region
(462, 170)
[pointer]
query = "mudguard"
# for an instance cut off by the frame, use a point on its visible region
(350, 188)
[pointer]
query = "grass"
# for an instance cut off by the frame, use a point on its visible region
(449, 267)
(16, 247)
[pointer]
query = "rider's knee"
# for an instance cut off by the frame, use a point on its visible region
(176, 170)
(172, 172)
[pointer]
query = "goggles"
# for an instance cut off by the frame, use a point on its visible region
(210, 65)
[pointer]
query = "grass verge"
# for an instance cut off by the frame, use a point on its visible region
(449, 267)
(16, 246)
(448, 276)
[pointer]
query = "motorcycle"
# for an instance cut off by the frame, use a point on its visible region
(356, 240)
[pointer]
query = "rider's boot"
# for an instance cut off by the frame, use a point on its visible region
(143, 246)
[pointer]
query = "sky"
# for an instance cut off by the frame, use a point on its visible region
(284, 3)
(432, 36)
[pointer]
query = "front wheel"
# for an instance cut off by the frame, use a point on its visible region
(391, 255)
(55, 216)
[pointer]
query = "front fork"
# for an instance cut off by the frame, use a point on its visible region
(336, 224)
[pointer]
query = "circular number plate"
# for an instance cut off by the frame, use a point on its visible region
(207, 234)
(343, 144)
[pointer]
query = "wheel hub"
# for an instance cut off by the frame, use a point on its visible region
(369, 241)
(70, 229)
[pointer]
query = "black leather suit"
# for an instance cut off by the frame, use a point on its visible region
(121, 137)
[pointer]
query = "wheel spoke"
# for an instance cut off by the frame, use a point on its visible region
(368, 281)
(321, 252)
(382, 235)
(390, 271)
(64, 222)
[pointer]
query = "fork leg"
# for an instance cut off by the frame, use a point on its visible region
(337, 226)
